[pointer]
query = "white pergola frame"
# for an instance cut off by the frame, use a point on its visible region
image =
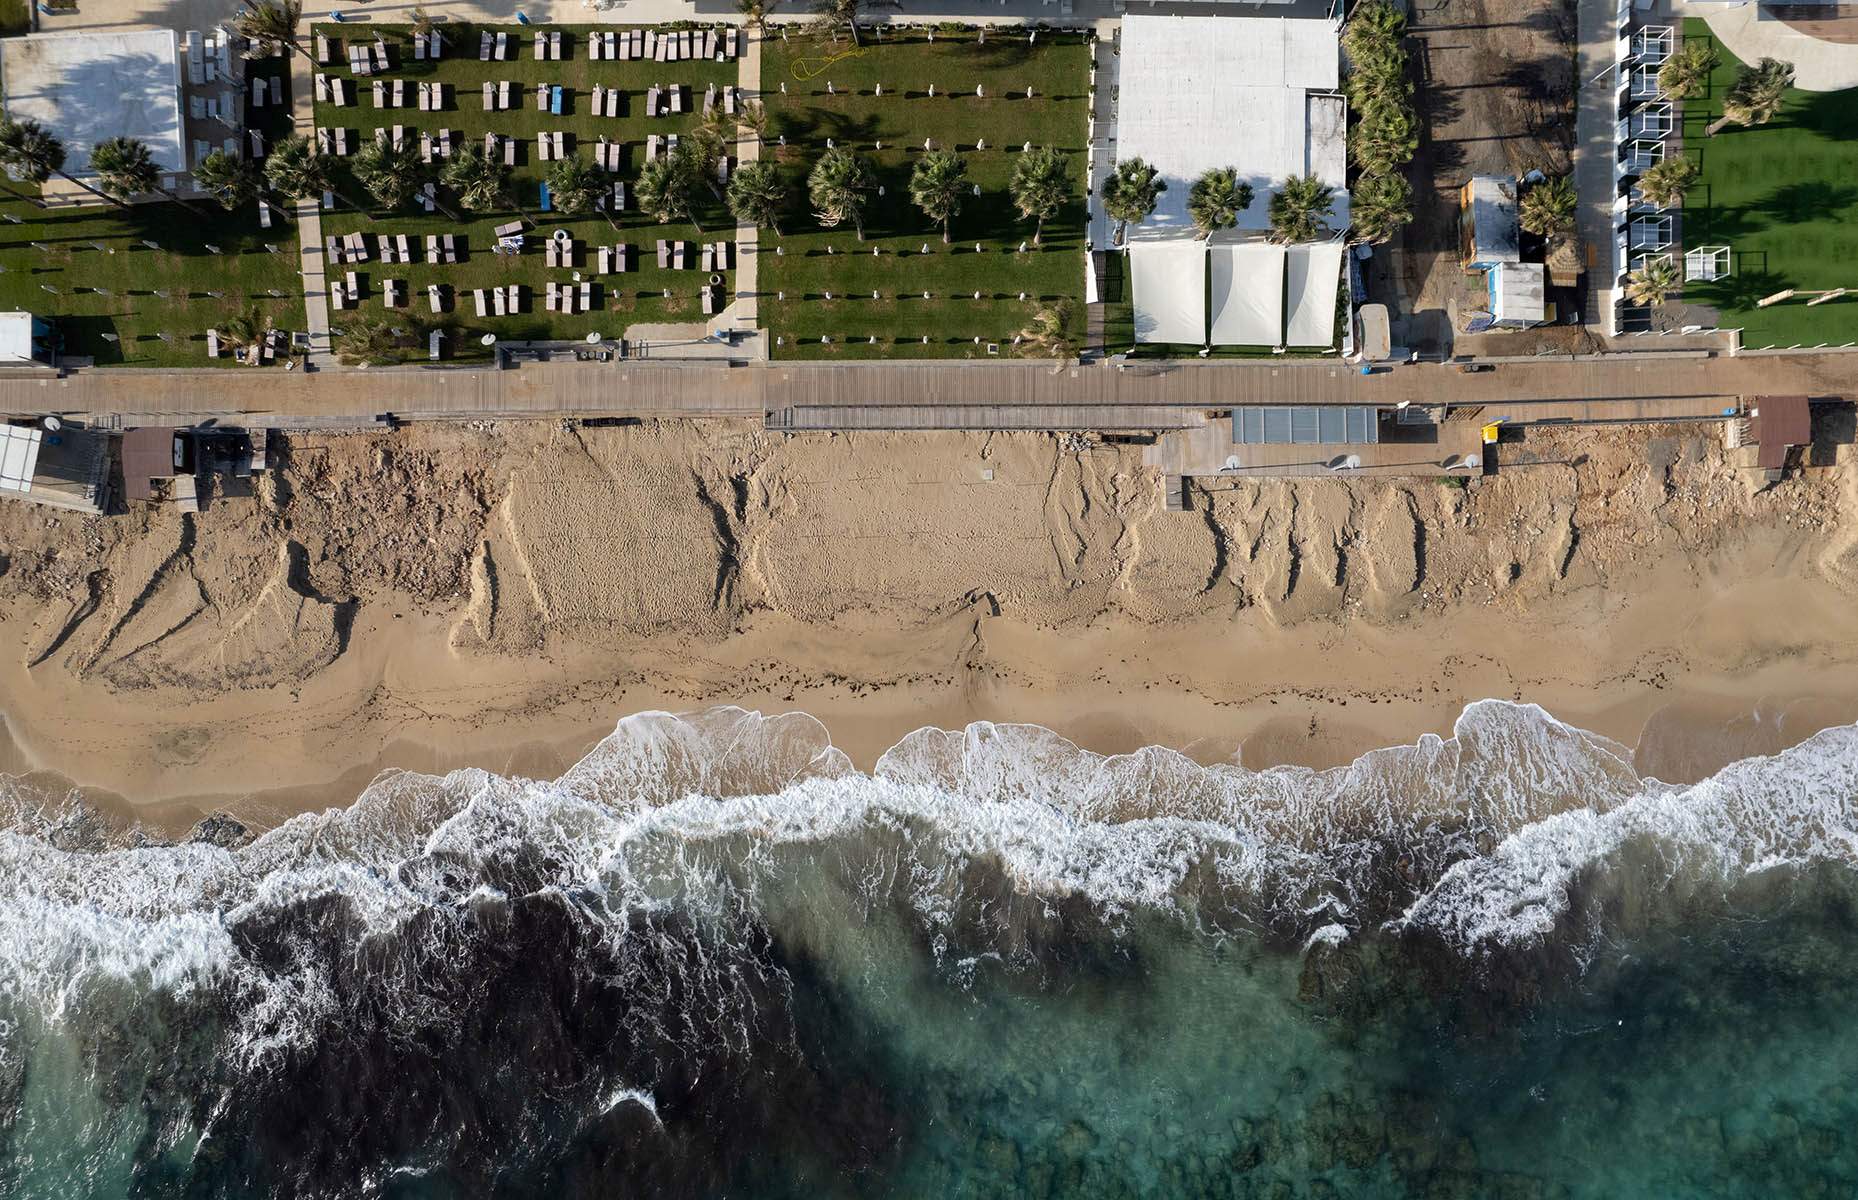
(1652, 120)
(1652, 44)
(1652, 233)
(1707, 263)
(1642, 154)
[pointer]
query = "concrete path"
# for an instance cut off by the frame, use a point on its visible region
(311, 262)
(647, 390)
(1751, 34)
(1596, 151)
(745, 311)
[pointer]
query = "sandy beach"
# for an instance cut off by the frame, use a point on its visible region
(498, 597)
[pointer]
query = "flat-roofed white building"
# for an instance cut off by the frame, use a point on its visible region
(1258, 95)
(86, 87)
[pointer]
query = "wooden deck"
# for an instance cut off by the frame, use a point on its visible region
(941, 395)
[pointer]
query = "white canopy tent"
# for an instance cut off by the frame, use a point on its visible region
(1314, 274)
(1248, 294)
(1168, 279)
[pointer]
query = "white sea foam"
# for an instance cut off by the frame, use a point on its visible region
(1487, 832)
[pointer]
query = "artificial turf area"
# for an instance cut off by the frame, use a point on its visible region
(633, 297)
(1784, 197)
(814, 261)
(245, 273)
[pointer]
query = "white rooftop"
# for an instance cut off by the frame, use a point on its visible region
(85, 87)
(1204, 92)
(15, 337)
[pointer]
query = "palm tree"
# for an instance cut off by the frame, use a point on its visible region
(576, 186)
(1300, 209)
(227, 178)
(752, 116)
(1664, 183)
(1041, 184)
(936, 184)
(1373, 34)
(244, 329)
(1755, 96)
(838, 184)
(1049, 334)
(758, 194)
(364, 340)
(1216, 200)
(33, 155)
(1380, 206)
(482, 184)
(1655, 282)
(1131, 193)
(1548, 207)
(755, 13)
(391, 174)
(1386, 137)
(126, 170)
(1686, 74)
(295, 170)
(667, 185)
(834, 13)
(271, 21)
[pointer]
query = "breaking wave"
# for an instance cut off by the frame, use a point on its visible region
(626, 973)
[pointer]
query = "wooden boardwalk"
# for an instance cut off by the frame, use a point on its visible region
(939, 395)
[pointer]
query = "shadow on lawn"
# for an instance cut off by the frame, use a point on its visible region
(1829, 115)
(1808, 200)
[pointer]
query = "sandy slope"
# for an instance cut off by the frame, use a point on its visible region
(450, 596)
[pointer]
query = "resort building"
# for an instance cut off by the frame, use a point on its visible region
(27, 341)
(88, 87)
(55, 464)
(1258, 94)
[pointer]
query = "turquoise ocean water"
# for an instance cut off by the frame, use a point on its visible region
(714, 960)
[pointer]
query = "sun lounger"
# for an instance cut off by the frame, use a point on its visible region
(482, 300)
(435, 298)
(357, 248)
(338, 297)
(435, 344)
(264, 206)
(554, 100)
(393, 293)
(725, 254)
(332, 249)
(382, 59)
(517, 299)
(680, 258)
(490, 96)
(549, 301)
(709, 300)
(554, 45)
(651, 147)
(384, 246)
(212, 343)
(503, 47)
(499, 302)
(428, 198)
(541, 97)
(508, 229)
(483, 47)
(433, 254)
(541, 46)
(618, 203)
(503, 94)
(258, 143)
(450, 242)
(322, 49)
(425, 146)
(612, 43)
(509, 151)
(277, 89)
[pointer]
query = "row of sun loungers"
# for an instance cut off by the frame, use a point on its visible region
(500, 301)
(333, 89)
(272, 93)
(211, 59)
(346, 249)
(653, 144)
(394, 247)
(334, 141)
(494, 47)
(675, 255)
(614, 259)
(258, 143)
(730, 96)
(500, 146)
(497, 96)
(606, 102)
(391, 93)
(608, 156)
(441, 248)
(548, 45)
(571, 298)
(346, 293)
(435, 145)
(664, 101)
(427, 46)
(434, 97)
(551, 146)
(366, 60)
(548, 98)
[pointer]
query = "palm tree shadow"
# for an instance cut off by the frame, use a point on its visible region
(1808, 200)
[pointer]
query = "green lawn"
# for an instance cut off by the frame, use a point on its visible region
(815, 261)
(15, 17)
(1784, 197)
(245, 272)
(636, 296)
